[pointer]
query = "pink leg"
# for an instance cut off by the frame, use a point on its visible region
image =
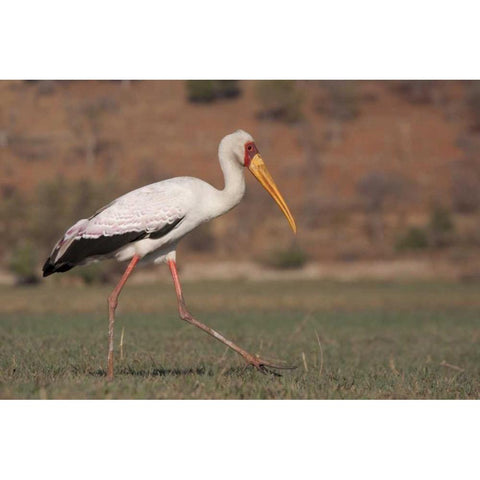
(112, 305)
(185, 315)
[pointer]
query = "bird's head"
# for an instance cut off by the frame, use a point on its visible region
(247, 155)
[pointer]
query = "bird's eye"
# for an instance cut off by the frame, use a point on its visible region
(249, 148)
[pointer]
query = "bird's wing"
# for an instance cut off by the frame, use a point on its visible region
(148, 212)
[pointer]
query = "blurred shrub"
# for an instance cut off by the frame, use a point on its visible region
(86, 197)
(40, 220)
(206, 91)
(342, 100)
(200, 91)
(466, 186)
(86, 119)
(13, 216)
(290, 258)
(44, 87)
(50, 212)
(228, 88)
(473, 104)
(280, 100)
(376, 187)
(31, 148)
(95, 273)
(59, 203)
(438, 233)
(416, 91)
(93, 108)
(23, 263)
(201, 239)
(414, 238)
(441, 226)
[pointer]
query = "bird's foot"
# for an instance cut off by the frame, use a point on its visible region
(265, 366)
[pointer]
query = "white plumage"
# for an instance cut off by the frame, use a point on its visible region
(146, 224)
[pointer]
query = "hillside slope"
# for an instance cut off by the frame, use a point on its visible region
(368, 161)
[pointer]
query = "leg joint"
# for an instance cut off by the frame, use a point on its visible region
(112, 301)
(183, 312)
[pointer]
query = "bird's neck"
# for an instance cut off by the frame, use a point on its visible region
(234, 177)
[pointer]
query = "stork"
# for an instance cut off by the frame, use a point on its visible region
(145, 225)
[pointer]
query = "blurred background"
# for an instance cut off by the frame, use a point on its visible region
(383, 177)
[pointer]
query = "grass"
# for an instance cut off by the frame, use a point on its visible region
(348, 340)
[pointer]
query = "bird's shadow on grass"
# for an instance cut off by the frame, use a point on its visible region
(174, 372)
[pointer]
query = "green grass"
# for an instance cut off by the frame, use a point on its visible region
(375, 340)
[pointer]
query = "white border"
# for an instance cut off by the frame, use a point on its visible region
(250, 39)
(239, 439)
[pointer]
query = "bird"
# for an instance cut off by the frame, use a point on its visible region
(145, 225)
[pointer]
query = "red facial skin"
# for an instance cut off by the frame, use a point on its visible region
(250, 152)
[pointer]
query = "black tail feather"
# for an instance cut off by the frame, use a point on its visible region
(49, 268)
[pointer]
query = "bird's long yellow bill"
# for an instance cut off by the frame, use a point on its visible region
(259, 170)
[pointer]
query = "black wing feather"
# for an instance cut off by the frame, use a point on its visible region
(83, 248)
